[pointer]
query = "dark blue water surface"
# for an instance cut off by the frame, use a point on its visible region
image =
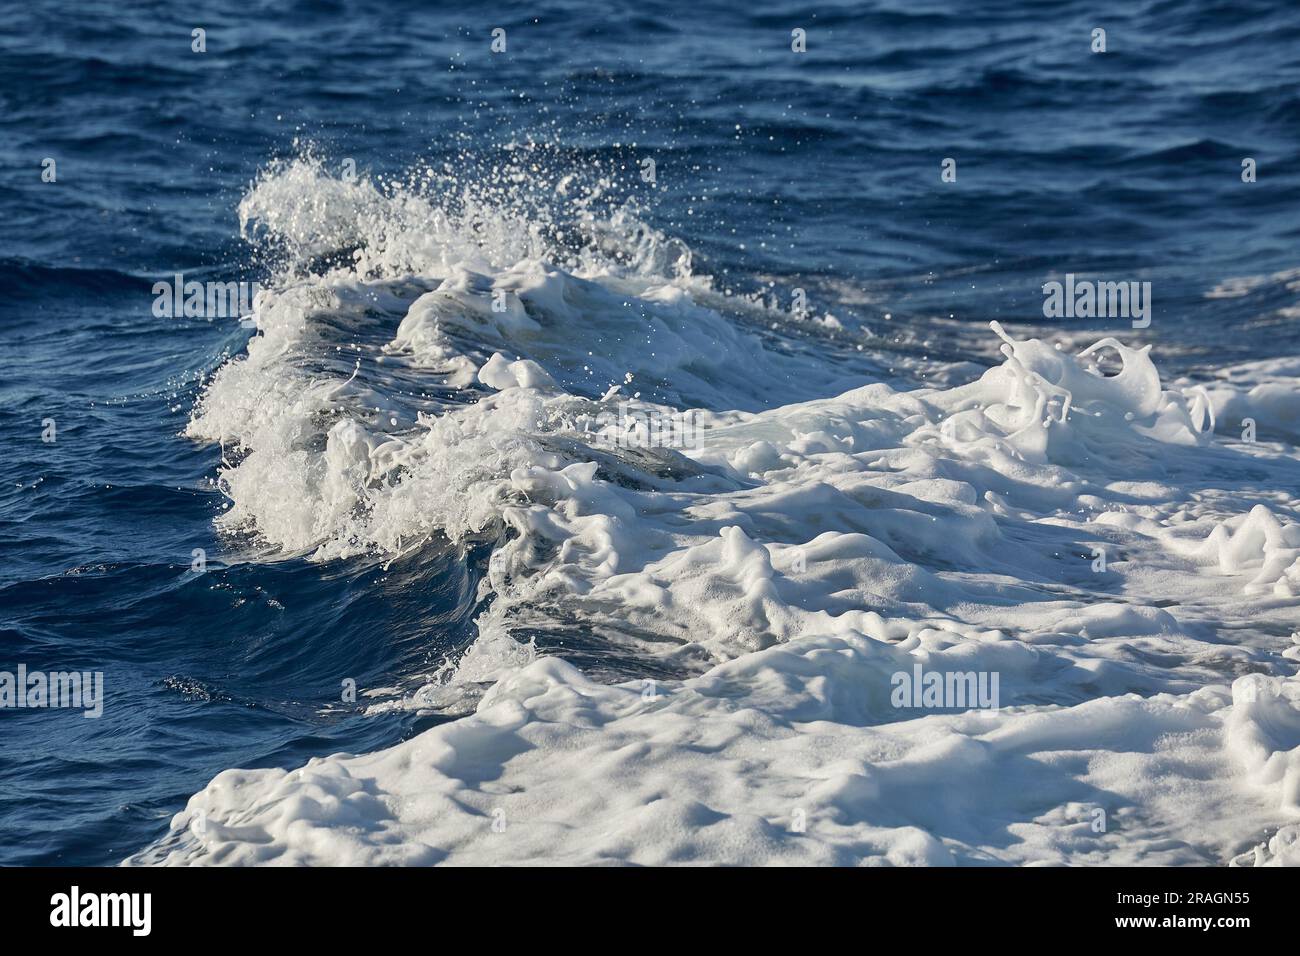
(819, 170)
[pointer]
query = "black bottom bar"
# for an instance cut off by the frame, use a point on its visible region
(333, 906)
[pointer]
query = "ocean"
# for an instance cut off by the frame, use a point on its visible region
(650, 433)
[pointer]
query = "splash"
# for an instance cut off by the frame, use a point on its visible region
(1064, 522)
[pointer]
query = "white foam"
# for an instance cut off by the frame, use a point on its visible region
(822, 536)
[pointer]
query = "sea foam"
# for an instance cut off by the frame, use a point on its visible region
(1126, 571)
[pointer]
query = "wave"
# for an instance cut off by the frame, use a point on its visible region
(457, 367)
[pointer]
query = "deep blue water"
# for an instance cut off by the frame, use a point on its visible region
(818, 170)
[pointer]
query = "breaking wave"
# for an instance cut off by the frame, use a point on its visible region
(448, 361)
